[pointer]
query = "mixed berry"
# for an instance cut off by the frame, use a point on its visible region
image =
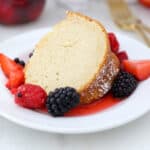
(145, 3)
(124, 85)
(13, 71)
(115, 47)
(140, 69)
(30, 96)
(62, 100)
(18, 61)
(20, 11)
(114, 44)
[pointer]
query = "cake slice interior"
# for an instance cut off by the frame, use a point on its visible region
(71, 55)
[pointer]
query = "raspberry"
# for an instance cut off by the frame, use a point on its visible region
(30, 96)
(122, 56)
(113, 42)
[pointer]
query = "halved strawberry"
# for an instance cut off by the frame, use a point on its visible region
(14, 72)
(140, 68)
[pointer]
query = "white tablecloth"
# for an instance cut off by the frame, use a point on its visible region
(134, 136)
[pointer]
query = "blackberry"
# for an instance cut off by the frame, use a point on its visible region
(30, 55)
(62, 100)
(18, 61)
(22, 63)
(124, 85)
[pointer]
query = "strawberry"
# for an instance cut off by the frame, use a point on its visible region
(140, 69)
(30, 96)
(122, 56)
(14, 72)
(145, 3)
(13, 91)
(114, 44)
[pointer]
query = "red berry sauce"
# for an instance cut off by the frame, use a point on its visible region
(97, 106)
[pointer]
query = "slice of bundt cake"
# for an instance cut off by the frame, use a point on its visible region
(77, 54)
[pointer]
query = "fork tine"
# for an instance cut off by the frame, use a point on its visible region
(119, 9)
(124, 7)
(124, 18)
(118, 5)
(120, 12)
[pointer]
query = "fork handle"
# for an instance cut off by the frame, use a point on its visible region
(139, 29)
(145, 27)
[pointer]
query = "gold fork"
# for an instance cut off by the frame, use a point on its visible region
(124, 18)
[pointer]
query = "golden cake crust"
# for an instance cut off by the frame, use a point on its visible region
(102, 81)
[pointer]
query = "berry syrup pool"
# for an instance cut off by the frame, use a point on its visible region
(104, 103)
(97, 106)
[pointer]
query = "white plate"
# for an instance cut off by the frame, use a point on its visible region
(122, 113)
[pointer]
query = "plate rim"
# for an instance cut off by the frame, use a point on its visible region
(64, 130)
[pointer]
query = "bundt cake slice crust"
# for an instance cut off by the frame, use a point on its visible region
(102, 82)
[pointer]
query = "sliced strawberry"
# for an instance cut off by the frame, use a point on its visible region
(140, 69)
(122, 56)
(13, 91)
(14, 72)
(16, 79)
(8, 65)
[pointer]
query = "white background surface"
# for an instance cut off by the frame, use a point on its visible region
(134, 136)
